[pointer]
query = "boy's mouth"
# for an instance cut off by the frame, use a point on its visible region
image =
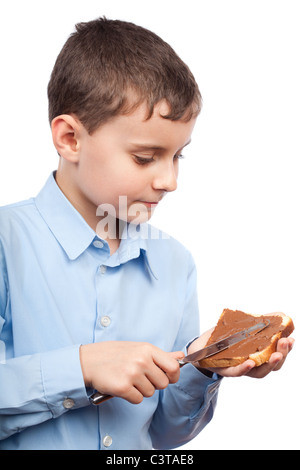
(150, 203)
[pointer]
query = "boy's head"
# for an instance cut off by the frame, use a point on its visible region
(109, 67)
(122, 107)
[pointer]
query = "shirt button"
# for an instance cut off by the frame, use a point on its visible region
(68, 403)
(102, 269)
(98, 244)
(107, 441)
(105, 321)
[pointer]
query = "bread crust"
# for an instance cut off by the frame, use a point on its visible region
(259, 357)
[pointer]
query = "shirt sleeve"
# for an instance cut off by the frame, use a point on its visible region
(186, 407)
(3, 303)
(38, 387)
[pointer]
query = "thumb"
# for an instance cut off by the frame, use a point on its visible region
(177, 354)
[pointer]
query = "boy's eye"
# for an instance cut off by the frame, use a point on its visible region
(178, 157)
(143, 160)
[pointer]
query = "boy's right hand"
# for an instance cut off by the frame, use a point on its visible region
(128, 369)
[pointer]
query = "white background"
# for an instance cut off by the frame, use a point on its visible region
(237, 204)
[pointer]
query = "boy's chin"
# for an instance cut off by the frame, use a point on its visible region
(137, 214)
(136, 221)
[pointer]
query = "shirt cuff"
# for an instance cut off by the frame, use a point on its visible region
(198, 392)
(196, 384)
(62, 378)
(199, 389)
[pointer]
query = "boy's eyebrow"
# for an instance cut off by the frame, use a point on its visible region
(145, 146)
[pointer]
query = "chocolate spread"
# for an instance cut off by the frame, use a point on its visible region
(232, 322)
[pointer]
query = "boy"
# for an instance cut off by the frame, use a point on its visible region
(90, 297)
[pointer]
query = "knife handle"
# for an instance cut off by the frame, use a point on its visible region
(98, 398)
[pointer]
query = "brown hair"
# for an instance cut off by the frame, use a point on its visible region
(104, 60)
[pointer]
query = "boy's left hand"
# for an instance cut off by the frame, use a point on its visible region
(248, 368)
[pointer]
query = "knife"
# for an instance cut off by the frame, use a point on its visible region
(210, 350)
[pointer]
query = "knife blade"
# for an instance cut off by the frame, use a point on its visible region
(223, 344)
(98, 398)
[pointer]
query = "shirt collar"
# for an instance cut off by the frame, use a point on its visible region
(65, 222)
(74, 234)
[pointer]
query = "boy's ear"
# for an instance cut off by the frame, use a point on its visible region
(65, 135)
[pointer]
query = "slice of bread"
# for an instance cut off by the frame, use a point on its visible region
(257, 347)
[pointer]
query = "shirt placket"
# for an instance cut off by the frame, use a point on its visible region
(104, 327)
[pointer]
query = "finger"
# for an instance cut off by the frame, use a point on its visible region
(236, 371)
(263, 370)
(145, 386)
(133, 395)
(157, 377)
(276, 361)
(292, 341)
(177, 355)
(169, 364)
(284, 346)
(125, 389)
(243, 369)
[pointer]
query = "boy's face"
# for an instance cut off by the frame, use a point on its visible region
(130, 157)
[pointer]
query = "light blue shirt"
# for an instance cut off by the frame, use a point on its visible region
(60, 288)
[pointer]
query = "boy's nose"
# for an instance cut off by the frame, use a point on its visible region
(166, 178)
